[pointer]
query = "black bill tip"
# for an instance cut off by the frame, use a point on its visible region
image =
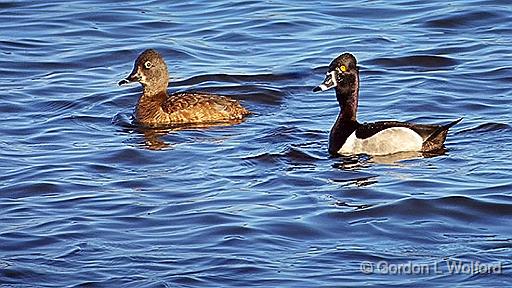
(317, 89)
(123, 82)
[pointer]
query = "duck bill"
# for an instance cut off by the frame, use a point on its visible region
(329, 82)
(133, 77)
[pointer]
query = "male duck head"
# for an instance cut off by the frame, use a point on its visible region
(343, 75)
(151, 71)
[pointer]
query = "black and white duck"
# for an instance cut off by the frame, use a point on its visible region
(349, 137)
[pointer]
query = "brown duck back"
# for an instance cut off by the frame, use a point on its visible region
(190, 108)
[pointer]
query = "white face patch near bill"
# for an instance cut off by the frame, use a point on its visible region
(333, 83)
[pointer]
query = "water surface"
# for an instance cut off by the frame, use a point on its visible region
(87, 199)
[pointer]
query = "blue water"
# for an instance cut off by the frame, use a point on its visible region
(87, 199)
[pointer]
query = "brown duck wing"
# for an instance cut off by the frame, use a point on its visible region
(202, 107)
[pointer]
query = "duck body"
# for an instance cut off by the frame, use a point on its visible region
(386, 137)
(349, 137)
(156, 107)
(188, 107)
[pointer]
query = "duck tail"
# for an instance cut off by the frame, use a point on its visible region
(449, 125)
(436, 139)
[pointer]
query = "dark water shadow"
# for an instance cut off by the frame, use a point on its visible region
(416, 62)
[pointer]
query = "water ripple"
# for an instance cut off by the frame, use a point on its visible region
(91, 199)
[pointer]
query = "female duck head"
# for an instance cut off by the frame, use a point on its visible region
(151, 71)
(343, 75)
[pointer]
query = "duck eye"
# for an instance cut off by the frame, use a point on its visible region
(148, 65)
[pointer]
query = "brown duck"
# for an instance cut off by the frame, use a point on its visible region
(348, 136)
(155, 107)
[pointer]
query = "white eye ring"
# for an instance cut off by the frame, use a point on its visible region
(148, 64)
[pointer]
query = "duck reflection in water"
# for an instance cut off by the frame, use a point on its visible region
(363, 161)
(153, 136)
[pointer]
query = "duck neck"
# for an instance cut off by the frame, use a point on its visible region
(149, 103)
(348, 101)
(154, 92)
(153, 97)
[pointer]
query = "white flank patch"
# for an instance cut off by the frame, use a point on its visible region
(387, 141)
